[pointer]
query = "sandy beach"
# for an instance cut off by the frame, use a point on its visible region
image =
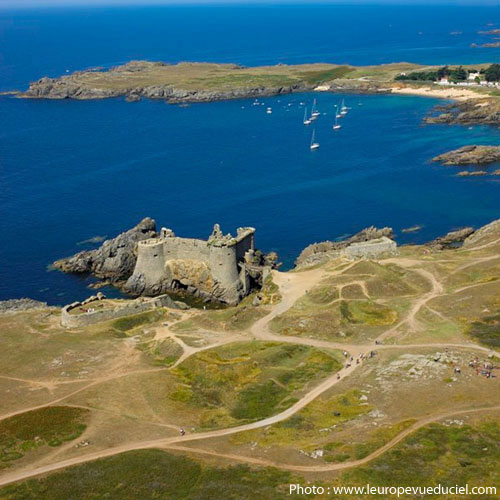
(457, 94)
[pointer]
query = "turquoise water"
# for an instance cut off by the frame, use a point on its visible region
(70, 170)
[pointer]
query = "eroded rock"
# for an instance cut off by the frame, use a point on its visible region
(115, 259)
(317, 251)
(470, 155)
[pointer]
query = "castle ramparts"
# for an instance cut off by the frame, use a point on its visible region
(216, 268)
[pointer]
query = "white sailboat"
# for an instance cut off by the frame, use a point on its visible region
(314, 111)
(338, 113)
(343, 108)
(314, 144)
(269, 111)
(306, 120)
(336, 125)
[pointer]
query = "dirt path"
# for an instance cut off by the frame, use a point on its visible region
(170, 443)
(410, 319)
(343, 465)
(85, 387)
(292, 287)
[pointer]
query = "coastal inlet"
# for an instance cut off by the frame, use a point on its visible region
(95, 168)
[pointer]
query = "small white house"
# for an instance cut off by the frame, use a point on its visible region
(473, 76)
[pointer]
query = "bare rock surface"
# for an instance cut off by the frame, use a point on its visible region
(317, 251)
(470, 155)
(483, 235)
(16, 305)
(467, 112)
(115, 258)
(451, 239)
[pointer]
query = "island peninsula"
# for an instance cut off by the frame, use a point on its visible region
(206, 82)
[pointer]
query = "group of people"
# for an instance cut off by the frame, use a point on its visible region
(483, 368)
(360, 358)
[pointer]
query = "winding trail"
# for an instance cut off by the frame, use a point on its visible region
(343, 465)
(170, 443)
(292, 286)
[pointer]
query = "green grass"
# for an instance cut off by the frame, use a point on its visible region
(367, 312)
(340, 452)
(487, 331)
(31, 430)
(163, 353)
(154, 474)
(250, 380)
(318, 77)
(129, 322)
(305, 428)
(247, 80)
(270, 292)
(308, 317)
(235, 318)
(435, 454)
(323, 294)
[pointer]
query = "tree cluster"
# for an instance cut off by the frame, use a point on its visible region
(492, 74)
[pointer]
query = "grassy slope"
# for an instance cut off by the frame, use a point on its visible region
(435, 454)
(249, 380)
(207, 76)
(32, 430)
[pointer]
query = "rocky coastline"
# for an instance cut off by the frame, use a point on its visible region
(145, 262)
(317, 252)
(469, 112)
(470, 155)
(20, 305)
(185, 83)
(68, 88)
(114, 260)
(206, 82)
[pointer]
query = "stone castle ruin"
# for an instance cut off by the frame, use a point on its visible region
(97, 308)
(223, 268)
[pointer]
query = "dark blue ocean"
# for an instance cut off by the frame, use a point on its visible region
(70, 170)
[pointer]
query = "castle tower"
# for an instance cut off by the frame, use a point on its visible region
(149, 269)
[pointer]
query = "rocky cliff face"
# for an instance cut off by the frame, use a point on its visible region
(114, 259)
(181, 275)
(470, 155)
(317, 251)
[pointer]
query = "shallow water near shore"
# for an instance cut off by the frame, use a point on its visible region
(72, 171)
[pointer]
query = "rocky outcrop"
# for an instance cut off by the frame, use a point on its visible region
(472, 111)
(475, 173)
(452, 239)
(317, 251)
(223, 268)
(180, 275)
(115, 259)
(69, 87)
(17, 305)
(470, 155)
(485, 234)
(66, 87)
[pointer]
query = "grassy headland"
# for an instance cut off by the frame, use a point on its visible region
(197, 82)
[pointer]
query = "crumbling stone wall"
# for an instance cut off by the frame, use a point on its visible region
(96, 316)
